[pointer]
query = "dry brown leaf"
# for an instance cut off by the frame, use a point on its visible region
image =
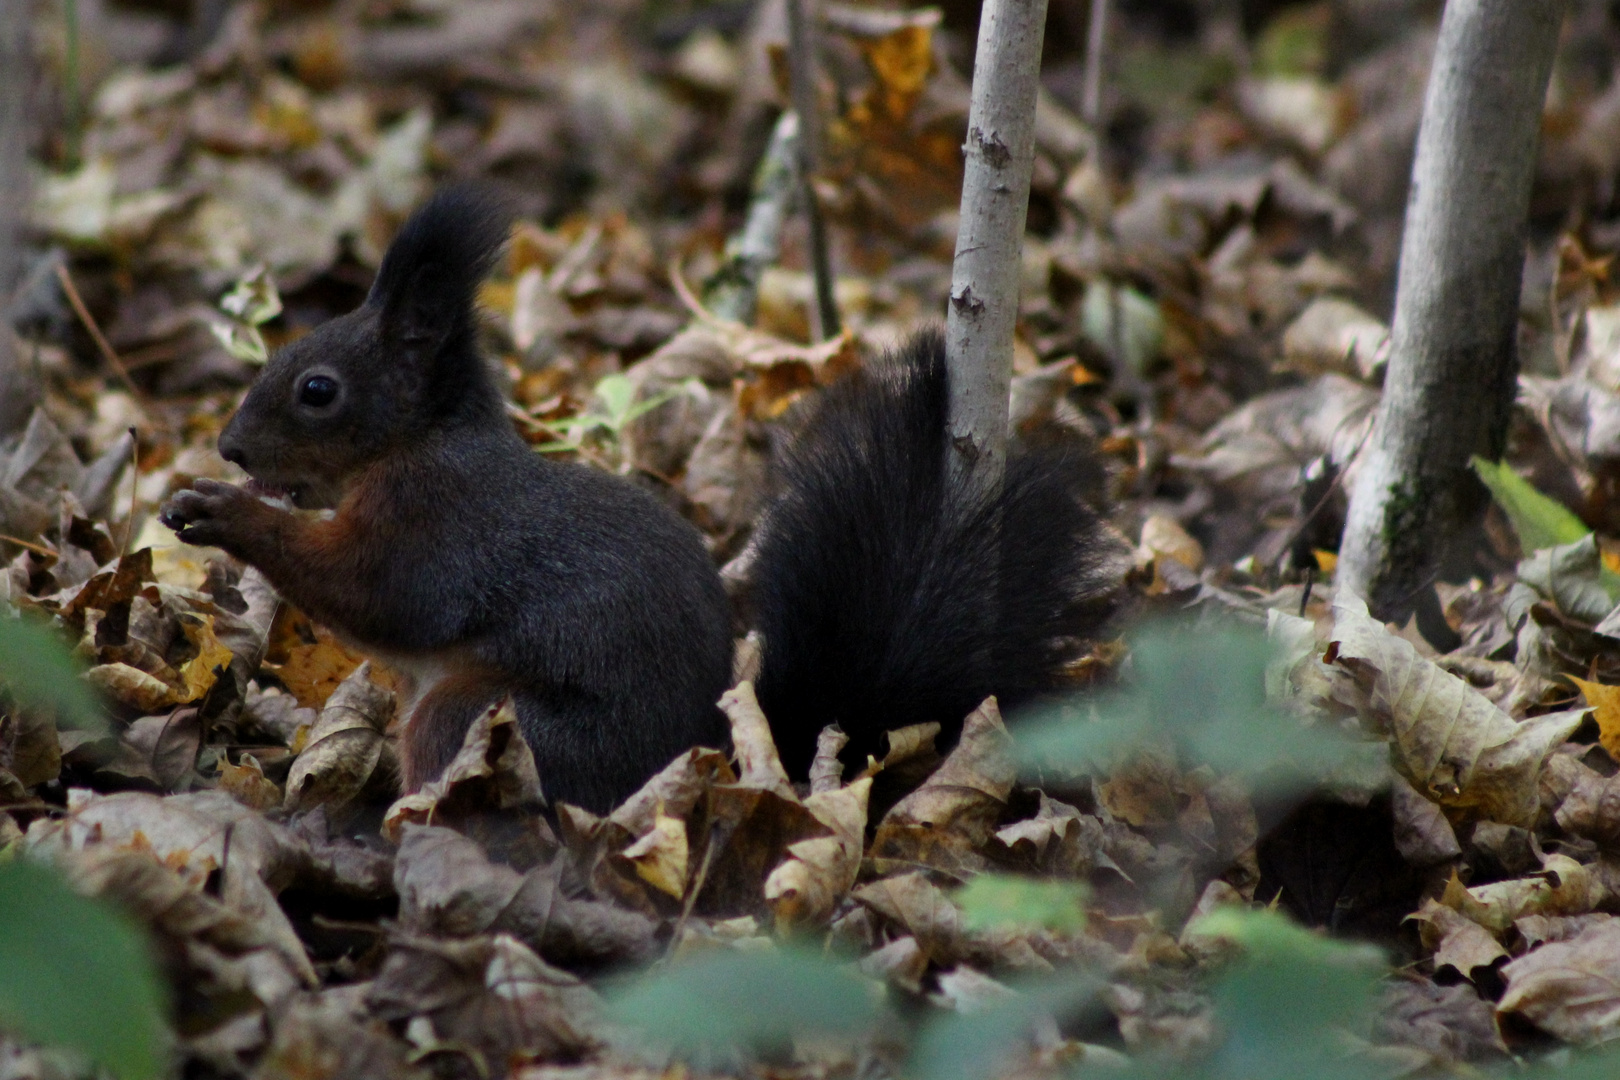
(1456, 940)
(1570, 988)
(1449, 741)
(1562, 887)
(660, 857)
(674, 790)
(131, 686)
(953, 813)
(197, 675)
(1591, 806)
(1060, 839)
(493, 771)
(758, 763)
(189, 834)
(162, 747)
(826, 770)
(246, 783)
(922, 908)
(819, 871)
(910, 743)
(310, 663)
(346, 753)
(448, 886)
(491, 996)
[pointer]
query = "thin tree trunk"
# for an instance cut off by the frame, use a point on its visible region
(1453, 365)
(18, 391)
(983, 310)
(824, 321)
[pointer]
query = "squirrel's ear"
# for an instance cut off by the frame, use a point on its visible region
(429, 278)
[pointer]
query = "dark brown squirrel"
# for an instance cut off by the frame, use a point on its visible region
(480, 569)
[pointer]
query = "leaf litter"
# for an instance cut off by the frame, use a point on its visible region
(1204, 299)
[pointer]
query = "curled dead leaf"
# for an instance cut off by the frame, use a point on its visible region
(1447, 738)
(494, 770)
(346, 754)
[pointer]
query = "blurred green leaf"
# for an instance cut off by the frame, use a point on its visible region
(76, 973)
(1010, 901)
(1119, 320)
(1540, 521)
(1295, 42)
(252, 302)
(1283, 1003)
(1204, 688)
(974, 1045)
(36, 669)
(1165, 78)
(713, 1006)
(613, 408)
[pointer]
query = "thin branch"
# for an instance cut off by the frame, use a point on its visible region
(1096, 40)
(102, 344)
(802, 75)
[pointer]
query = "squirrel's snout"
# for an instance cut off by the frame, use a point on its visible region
(232, 451)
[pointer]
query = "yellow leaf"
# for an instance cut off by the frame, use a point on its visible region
(1605, 701)
(660, 857)
(197, 675)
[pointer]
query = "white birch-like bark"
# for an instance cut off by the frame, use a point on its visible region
(983, 309)
(1453, 366)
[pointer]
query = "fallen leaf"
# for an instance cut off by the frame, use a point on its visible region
(1447, 739)
(1570, 989)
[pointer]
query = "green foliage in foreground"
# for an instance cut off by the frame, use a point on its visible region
(707, 1008)
(1014, 902)
(1204, 690)
(75, 973)
(36, 671)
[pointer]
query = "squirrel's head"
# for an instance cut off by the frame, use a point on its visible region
(392, 372)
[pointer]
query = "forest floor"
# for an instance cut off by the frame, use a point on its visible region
(1207, 283)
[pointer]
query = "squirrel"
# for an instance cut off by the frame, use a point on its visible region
(887, 591)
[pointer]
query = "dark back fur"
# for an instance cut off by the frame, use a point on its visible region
(875, 580)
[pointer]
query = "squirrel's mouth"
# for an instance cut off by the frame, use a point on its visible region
(271, 492)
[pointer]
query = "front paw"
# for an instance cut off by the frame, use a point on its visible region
(211, 514)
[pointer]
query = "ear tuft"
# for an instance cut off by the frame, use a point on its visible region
(430, 276)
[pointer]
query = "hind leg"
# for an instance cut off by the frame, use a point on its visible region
(439, 722)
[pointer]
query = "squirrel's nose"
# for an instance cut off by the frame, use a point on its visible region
(232, 453)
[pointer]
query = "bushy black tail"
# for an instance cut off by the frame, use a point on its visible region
(875, 578)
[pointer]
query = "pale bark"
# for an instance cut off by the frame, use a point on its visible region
(1453, 365)
(983, 309)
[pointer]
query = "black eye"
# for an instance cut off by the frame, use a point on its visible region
(318, 391)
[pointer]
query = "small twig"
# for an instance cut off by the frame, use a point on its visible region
(70, 73)
(1096, 41)
(802, 76)
(134, 486)
(102, 344)
(716, 841)
(37, 549)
